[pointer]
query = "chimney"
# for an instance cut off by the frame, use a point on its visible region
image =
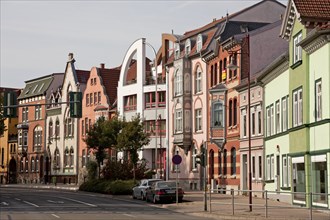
(70, 56)
(227, 17)
(102, 65)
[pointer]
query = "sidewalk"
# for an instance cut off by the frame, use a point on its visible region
(70, 187)
(221, 208)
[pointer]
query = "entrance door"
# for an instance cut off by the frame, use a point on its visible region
(245, 176)
(12, 171)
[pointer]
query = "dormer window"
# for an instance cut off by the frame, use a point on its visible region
(187, 47)
(35, 88)
(177, 51)
(199, 43)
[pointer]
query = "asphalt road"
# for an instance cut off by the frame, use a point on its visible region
(42, 204)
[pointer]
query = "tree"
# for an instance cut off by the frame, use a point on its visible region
(132, 138)
(102, 136)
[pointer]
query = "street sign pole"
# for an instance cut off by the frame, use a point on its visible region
(177, 159)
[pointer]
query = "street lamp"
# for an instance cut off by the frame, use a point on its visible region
(233, 66)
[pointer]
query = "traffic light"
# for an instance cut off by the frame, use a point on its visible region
(10, 104)
(75, 104)
(201, 158)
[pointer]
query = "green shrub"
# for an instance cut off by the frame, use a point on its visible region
(91, 170)
(117, 187)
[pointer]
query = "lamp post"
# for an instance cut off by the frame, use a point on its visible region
(156, 96)
(233, 66)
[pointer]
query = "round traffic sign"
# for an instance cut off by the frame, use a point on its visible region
(176, 159)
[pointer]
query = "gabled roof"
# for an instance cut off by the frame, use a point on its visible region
(38, 86)
(109, 79)
(82, 76)
(308, 12)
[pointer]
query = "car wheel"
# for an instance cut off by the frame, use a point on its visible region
(154, 200)
(133, 196)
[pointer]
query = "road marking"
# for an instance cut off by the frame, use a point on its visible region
(56, 216)
(30, 203)
(4, 203)
(18, 199)
(81, 202)
(58, 202)
(132, 216)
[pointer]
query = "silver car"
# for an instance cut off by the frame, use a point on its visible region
(139, 192)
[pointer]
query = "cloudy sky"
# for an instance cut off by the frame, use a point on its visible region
(36, 36)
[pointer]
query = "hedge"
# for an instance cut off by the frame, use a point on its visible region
(117, 187)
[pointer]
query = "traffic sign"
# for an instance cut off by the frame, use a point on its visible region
(176, 159)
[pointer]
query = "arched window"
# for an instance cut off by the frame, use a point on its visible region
(230, 114)
(71, 157)
(215, 74)
(178, 78)
(57, 158)
(32, 164)
(50, 129)
(177, 51)
(219, 163)
(37, 138)
(187, 47)
(233, 161)
(198, 80)
(57, 128)
(235, 111)
(225, 162)
(199, 43)
(66, 157)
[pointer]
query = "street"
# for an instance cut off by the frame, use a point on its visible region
(43, 204)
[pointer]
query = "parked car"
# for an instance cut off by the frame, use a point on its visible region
(139, 191)
(163, 191)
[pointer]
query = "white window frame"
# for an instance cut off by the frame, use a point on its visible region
(193, 158)
(278, 117)
(272, 119)
(318, 99)
(244, 123)
(284, 114)
(297, 107)
(253, 122)
(198, 120)
(178, 121)
(198, 83)
(297, 50)
(259, 120)
(218, 114)
(199, 43)
(177, 51)
(268, 121)
(187, 47)
(178, 78)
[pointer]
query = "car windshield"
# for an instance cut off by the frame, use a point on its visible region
(166, 184)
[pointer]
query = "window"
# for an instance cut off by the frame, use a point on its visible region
(91, 98)
(57, 158)
(37, 164)
(99, 97)
(37, 112)
(219, 163)
(87, 99)
(259, 121)
(318, 100)
(260, 167)
(82, 127)
(212, 76)
(253, 167)
(25, 114)
(130, 103)
(66, 157)
(177, 51)
(235, 112)
(297, 107)
(285, 171)
(22, 164)
(150, 100)
(270, 167)
(218, 117)
(284, 114)
(50, 129)
(225, 162)
(32, 164)
(178, 83)
(86, 125)
(198, 84)
(162, 99)
(71, 157)
(215, 74)
(198, 119)
(277, 118)
(149, 127)
(69, 127)
(26, 164)
(57, 128)
(193, 158)
(83, 161)
(199, 43)
(25, 138)
(178, 121)
(244, 122)
(253, 123)
(297, 51)
(95, 98)
(233, 161)
(187, 47)
(272, 119)
(230, 113)
(37, 140)
(2, 155)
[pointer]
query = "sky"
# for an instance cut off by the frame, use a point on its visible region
(37, 36)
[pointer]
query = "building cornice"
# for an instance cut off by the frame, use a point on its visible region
(315, 41)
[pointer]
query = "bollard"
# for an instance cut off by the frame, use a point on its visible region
(310, 206)
(232, 200)
(266, 208)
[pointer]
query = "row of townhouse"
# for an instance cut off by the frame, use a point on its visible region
(272, 112)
